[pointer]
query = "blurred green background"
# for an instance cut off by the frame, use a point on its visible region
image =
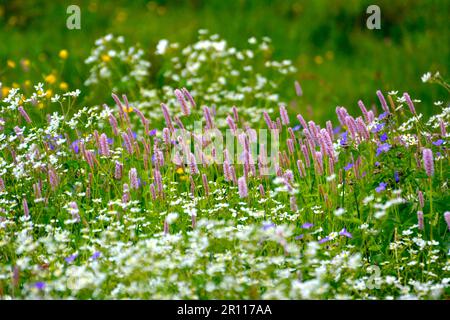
(339, 60)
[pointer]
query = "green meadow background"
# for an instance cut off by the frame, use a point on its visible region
(339, 60)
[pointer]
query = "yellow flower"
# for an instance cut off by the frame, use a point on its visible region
(40, 105)
(183, 178)
(127, 110)
(51, 78)
(318, 59)
(5, 91)
(15, 85)
(63, 86)
(105, 58)
(48, 93)
(27, 83)
(11, 64)
(63, 54)
(25, 64)
(180, 170)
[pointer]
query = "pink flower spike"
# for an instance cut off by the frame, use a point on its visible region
(420, 219)
(447, 218)
(167, 117)
(261, 190)
(302, 121)
(284, 115)
(104, 146)
(126, 193)
(118, 171)
(24, 114)
(298, 89)
(193, 164)
(132, 175)
(188, 95)
(205, 184)
(242, 185)
(184, 107)
(428, 162)
(127, 143)
(293, 203)
(421, 199)
(383, 101)
(363, 110)
(26, 211)
(409, 103)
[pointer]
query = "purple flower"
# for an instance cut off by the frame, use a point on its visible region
(299, 237)
(383, 137)
(96, 255)
(323, 240)
(377, 163)
(343, 141)
(152, 132)
(385, 147)
(39, 285)
(71, 258)
(307, 225)
(378, 127)
(396, 177)
(383, 115)
(348, 166)
(381, 187)
(75, 146)
(345, 233)
(268, 226)
(296, 128)
(336, 130)
(438, 142)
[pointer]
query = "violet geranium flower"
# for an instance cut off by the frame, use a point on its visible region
(307, 225)
(345, 233)
(71, 258)
(348, 166)
(385, 147)
(381, 187)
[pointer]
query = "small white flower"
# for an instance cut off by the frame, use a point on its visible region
(171, 217)
(162, 46)
(426, 77)
(339, 212)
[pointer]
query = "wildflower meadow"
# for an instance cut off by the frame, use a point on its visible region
(207, 180)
